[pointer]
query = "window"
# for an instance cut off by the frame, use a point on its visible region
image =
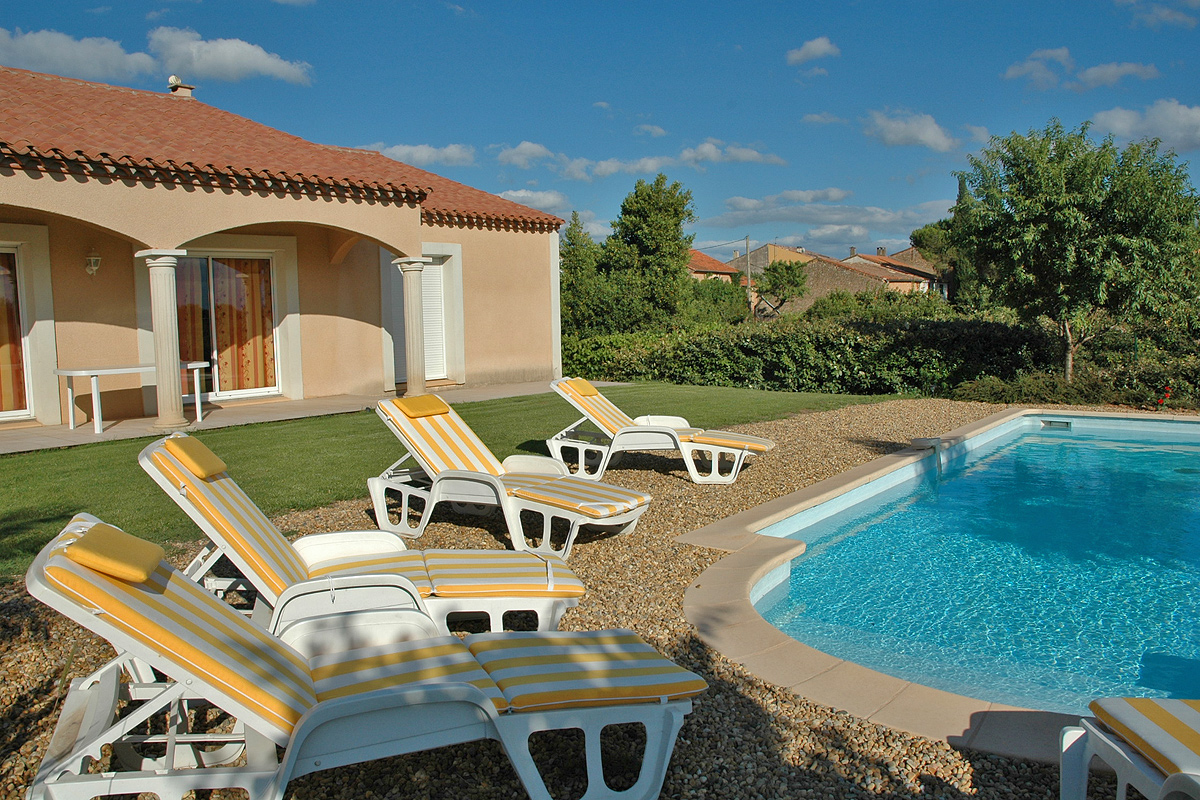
(227, 318)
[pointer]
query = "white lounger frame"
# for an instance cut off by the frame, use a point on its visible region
(1089, 739)
(333, 733)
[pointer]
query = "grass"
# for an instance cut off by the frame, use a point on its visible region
(312, 462)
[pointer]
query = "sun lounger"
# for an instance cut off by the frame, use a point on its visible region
(722, 452)
(331, 691)
(449, 581)
(1153, 744)
(451, 464)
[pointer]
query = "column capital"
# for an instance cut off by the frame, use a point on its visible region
(411, 263)
(160, 253)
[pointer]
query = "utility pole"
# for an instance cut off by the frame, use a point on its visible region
(749, 281)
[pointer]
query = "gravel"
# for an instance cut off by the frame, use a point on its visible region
(746, 739)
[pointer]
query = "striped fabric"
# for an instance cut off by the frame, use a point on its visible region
(500, 573)
(590, 498)
(593, 668)
(442, 660)
(242, 524)
(734, 441)
(442, 441)
(598, 408)
(177, 619)
(408, 564)
(1165, 732)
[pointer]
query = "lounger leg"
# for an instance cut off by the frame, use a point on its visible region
(379, 488)
(713, 455)
(1073, 766)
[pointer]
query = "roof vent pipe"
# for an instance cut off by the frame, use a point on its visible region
(881, 251)
(178, 87)
(853, 251)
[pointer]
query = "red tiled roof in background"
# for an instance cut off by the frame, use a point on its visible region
(58, 124)
(909, 267)
(707, 265)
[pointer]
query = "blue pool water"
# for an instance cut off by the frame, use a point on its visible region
(1043, 569)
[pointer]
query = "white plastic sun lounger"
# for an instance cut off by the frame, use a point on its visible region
(331, 691)
(492, 582)
(593, 450)
(1153, 744)
(451, 464)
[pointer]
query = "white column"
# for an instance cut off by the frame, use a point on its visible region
(164, 317)
(414, 323)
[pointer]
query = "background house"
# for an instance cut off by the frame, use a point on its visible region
(705, 267)
(908, 261)
(144, 227)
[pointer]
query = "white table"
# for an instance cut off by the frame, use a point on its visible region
(129, 369)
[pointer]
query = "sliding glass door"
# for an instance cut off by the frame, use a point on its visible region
(227, 318)
(14, 400)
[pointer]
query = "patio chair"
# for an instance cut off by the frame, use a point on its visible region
(491, 582)
(452, 464)
(329, 691)
(720, 453)
(1153, 744)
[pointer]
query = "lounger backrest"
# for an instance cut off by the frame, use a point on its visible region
(593, 405)
(437, 436)
(247, 671)
(230, 518)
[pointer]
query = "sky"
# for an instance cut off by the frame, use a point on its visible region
(822, 125)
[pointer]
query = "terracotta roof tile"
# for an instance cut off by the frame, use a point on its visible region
(55, 123)
(902, 266)
(702, 262)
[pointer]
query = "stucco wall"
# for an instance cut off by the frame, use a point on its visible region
(506, 303)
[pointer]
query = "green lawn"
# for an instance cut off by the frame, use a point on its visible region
(312, 462)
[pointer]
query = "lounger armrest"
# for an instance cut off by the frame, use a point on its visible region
(542, 465)
(339, 633)
(343, 594)
(1181, 785)
(662, 420)
(317, 547)
(467, 487)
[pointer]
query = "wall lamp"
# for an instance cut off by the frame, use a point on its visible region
(93, 263)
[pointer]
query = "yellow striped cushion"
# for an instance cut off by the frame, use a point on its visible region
(598, 408)
(590, 498)
(426, 405)
(409, 564)
(499, 573)
(545, 670)
(735, 441)
(114, 552)
(440, 660)
(253, 673)
(442, 441)
(1166, 732)
(582, 387)
(240, 525)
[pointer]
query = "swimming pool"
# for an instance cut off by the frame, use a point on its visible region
(1048, 561)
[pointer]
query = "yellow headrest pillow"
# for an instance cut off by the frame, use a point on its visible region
(114, 552)
(199, 460)
(424, 405)
(582, 387)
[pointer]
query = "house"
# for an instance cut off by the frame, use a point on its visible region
(705, 267)
(150, 228)
(909, 262)
(755, 261)
(825, 275)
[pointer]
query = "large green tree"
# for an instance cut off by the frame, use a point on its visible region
(648, 252)
(781, 281)
(582, 293)
(1081, 232)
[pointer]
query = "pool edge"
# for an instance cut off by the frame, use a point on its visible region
(718, 606)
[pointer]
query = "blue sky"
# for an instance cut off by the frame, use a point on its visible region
(820, 124)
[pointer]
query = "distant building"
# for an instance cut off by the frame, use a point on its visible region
(908, 262)
(760, 257)
(705, 267)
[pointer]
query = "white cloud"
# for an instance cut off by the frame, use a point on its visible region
(652, 130)
(908, 128)
(788, 197)
(1176, 124)
(601, 104)
(977, 133)
(93, 58)
(638, 166)
(424, 155)
(1037, 68)
(711, 151)
(1156, 15)
(575, 169)
(550, 201)
(838, 234)
(595, 228)
(524, 155)
(294, 2)
(792, 207)
(183, 52)
(1110, 74)
(811, 50)
(823, 118)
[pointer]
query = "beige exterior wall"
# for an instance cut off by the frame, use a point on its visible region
(824, 278)
(507, 303)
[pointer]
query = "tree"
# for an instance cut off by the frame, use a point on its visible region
(649, 249)
(1080, 232)
(783, 281)
(582, 295)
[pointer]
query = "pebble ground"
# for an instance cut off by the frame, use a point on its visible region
(745, 740)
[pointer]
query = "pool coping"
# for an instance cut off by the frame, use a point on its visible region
(718, 605)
